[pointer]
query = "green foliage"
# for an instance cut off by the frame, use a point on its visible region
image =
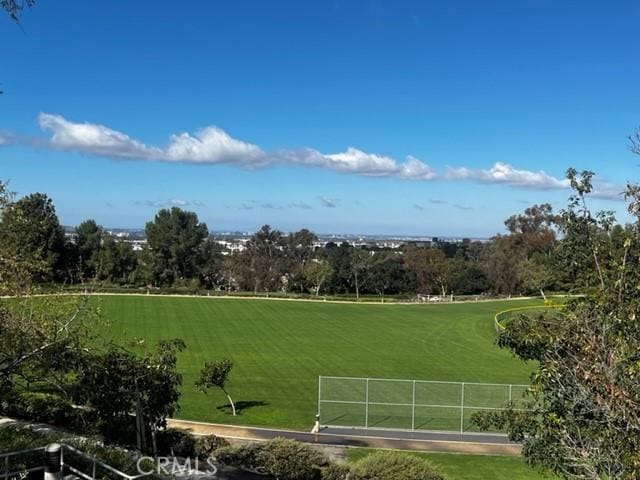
(117, 382)
(242, 456)
(389, 465)
(287, 459)
(316, 273)
(582, 419)
(214, 374)
(40, 339)
(31, 236)
(89, 243)
(40, 407)
(115, 262)
(175, 238)
(336, 471)
(206, 445)
(281, 458)
(15, 7)
(173, 441)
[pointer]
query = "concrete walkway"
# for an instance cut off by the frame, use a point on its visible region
(472, 443)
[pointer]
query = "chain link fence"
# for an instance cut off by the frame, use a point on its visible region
(413, 405)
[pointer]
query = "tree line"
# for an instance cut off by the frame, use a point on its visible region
(529, 258)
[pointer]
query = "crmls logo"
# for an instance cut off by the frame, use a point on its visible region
(173, 466)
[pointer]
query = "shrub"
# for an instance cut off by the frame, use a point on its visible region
(243, 456)
(290, 460)
(386, 465)
(174, 441)
(281, 458)
(41, 407)
(336, 471)
(206, 446)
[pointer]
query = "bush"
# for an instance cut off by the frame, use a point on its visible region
(290, 460)
(206, 446)
(386, 465)
(336, 471)
(242, 456)
(174, 441)
(41, 407)
(281, 458)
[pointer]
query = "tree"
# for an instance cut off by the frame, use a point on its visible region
(316, 273)
(582, 418)
(298, 252)
(31, 234)
(361, 261)
(216, 374)
(466, 277)
(430, 268)
(174, 238)
(340, 257)
(536, 273)
(14, 7)
(89, 242)
(387, 274)
(500, 264)
(210, 265)
(263, 259)
(36, 338)
(116, 382)
(115, 262)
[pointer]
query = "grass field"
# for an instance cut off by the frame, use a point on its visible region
(472, 467)
(281, 347)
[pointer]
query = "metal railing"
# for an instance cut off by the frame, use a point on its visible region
(7, 474)
(95, 465)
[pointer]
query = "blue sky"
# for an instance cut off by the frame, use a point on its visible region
(426, 118)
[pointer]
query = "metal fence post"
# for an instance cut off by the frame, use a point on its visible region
(413, 408)
(510, 388)
(53, 462)
(462, 410)
(366, 405)
(319, 394)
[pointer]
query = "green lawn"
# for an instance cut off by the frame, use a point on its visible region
(280, 347)
(471, 467)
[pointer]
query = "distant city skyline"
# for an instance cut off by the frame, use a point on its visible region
(370, 117)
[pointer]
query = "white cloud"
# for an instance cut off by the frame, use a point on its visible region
(5, 139)
(503, 173)
(212, 145)
(608, 191)
(173, 202)
(94, 139)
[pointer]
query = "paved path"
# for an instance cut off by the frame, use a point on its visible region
(487, 444)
